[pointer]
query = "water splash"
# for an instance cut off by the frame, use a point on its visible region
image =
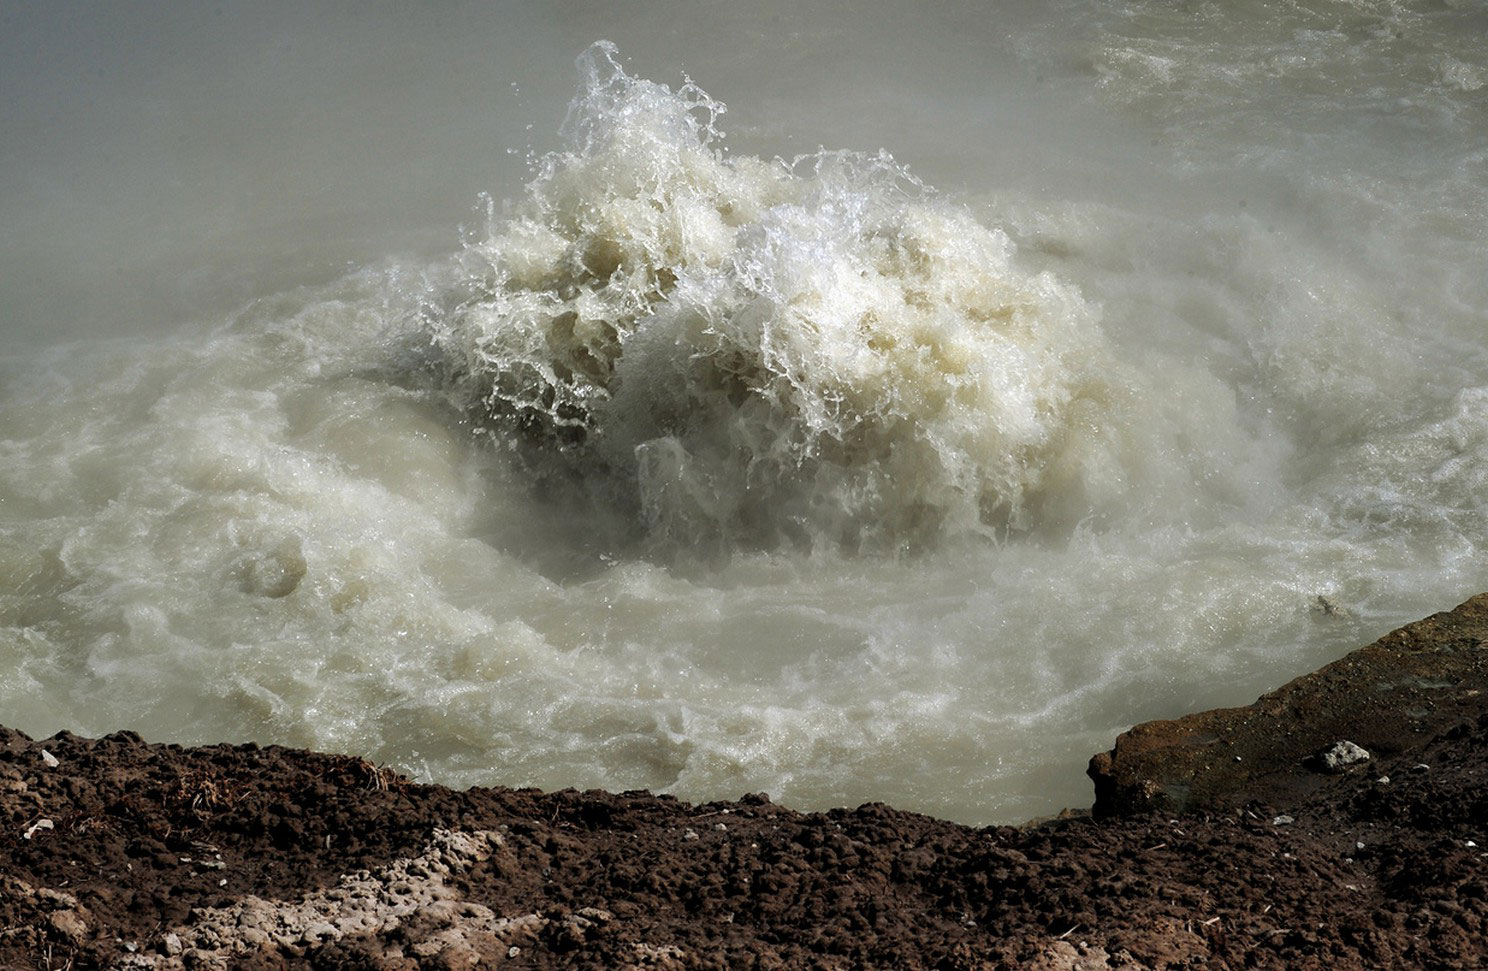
(758, 354)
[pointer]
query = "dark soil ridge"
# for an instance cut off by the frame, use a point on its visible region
(123, 854)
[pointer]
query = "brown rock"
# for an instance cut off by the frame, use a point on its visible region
(1408, 685)
(69, 925)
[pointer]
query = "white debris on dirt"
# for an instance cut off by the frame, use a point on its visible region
(1067, 956)
(1342, 755)
(39, 824)
(65, 916)
(402, 914)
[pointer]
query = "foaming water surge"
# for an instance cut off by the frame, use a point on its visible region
(758, 354)
(704, 471)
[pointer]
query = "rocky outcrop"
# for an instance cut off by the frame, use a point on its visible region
(1380, 700)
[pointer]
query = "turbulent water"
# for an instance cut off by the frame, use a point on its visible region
(1100, 342)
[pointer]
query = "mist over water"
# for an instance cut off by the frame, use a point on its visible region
(844, 403)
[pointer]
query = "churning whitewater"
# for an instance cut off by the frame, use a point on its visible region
(700, 469)
(764, 354)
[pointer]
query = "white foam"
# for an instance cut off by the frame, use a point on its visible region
(818, 353)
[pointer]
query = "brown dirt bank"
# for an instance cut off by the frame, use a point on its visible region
(122, 854)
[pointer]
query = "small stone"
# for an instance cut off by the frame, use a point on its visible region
(595, 914)
(1383, 780)
(513, 951)
(69, 925)
(173, 944)
(1328, 606)
(689, 835)
(253, 937)
(318, 931)
(1283, 821)
(49, 759)
(720, 827)
(1342, 755)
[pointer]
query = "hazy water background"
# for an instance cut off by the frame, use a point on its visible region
(235, 504)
